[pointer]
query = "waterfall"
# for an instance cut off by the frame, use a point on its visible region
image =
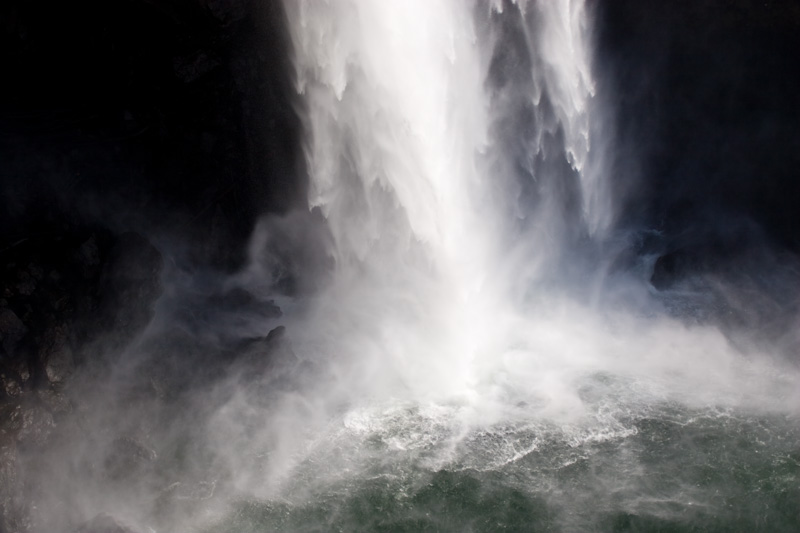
(462, 330)
(460, 345)
(447, 147)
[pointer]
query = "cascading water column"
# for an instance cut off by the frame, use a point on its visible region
(396, 116)
(414, 148)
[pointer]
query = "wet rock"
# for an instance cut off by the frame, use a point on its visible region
(54, 401)
(126, 457)
(22, 369)
(26, 283)
(179, 359)
(54, 277)
(269, 356)
(36, 425)
(276, 336)
(35, 271)
(10, 419)
(11, 384)
(131, 282)
(30, 426)
(88, 257)
(104, 523)
(14, 515)
(12, 330)
(134, 263)
(192, 68)
(672, 267)
(55, 354)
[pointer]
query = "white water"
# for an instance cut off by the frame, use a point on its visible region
(468, 318)
(449, 152)
(402, 165)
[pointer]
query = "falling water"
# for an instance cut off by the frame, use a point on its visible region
(476, 368)
(438, 196)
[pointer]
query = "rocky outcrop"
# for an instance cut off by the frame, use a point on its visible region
(64, 296)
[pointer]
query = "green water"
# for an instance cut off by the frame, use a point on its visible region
(664, 470)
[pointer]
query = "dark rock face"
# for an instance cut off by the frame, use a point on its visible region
(168, 114)
(55, 354)
(83, 285)
(12, 330)
(70, 295)
(129, 284)
(34, 425)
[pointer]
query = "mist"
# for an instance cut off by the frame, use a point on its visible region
(453, 266)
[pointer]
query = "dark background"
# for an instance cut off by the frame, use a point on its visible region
(180, 115)
(148, 115)
(708, 111)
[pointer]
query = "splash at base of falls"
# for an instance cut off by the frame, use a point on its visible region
(406, 468)
(479, 363)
